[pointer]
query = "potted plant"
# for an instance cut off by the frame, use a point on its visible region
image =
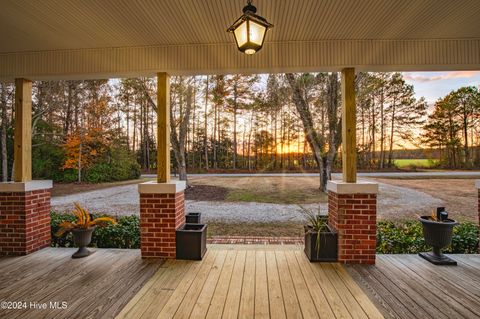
(321, 241)
(437, 231)
(82, 229)
(193, 218)
(191, 241)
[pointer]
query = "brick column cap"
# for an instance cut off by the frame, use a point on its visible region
(153, 187)
(341, 187)
(477, 183)
(16, 187)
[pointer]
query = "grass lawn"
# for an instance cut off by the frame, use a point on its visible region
(421, 163)
(275, 189)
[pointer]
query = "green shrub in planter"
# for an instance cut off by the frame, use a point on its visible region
(407, 238)
(125, 234)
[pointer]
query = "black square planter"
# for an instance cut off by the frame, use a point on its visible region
(193, 218)
(191, 241)
(328, 250)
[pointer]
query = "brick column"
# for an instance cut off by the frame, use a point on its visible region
(352, 211)
(24, 217)
(162, 211)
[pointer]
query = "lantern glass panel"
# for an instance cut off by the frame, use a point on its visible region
(241, 34)
(257, 33)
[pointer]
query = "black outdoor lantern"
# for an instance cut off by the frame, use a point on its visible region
(249, 30)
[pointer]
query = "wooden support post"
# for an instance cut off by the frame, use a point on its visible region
(163, 128)
(349, 126)
(23, 131)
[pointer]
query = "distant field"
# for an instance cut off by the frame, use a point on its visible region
(425, 163)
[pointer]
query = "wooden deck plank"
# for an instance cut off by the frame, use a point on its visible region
(394, 302)
(178, 295)
(192, 294)
(292, 306)
(304, 299)
(424, 293)
(232, 302)
(367, 306)
(240, 281)
(247, 299)
(140, 294)
(156, 297)
(200, 308)
(458, 283)
(275, 295)
(65, 269)
(316, 292)
(446, 293)
(215, 310)
(262, 309)
(345, 295)
(97, 280)
(94, 287)
(334, 300)
(117, 290)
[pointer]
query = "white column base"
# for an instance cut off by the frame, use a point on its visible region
(340, 187)
(14, 187)
(172, 187)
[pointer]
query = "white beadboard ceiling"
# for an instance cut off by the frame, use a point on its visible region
(43, 38)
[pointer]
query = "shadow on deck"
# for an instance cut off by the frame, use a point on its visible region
(98, 286)
(407, 286)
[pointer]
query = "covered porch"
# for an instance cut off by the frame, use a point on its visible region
(127, 40)
(112, 39)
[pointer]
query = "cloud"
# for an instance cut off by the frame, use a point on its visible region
(442, 76)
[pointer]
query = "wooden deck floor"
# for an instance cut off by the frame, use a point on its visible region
(236, 281)
(98, 286)
(407, 286)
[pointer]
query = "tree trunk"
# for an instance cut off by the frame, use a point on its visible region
(382, 132)
(392, 130)
(205, 137)
(179, 141)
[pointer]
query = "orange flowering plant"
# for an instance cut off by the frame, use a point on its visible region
(84, 221)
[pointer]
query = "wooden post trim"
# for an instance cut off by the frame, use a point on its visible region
(349, 126)
(22, 155)
(163, 128)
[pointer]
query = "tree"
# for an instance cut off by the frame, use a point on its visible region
(238, 98)
(181, 93)
(324, 147)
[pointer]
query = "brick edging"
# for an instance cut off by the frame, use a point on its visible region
(255, 240)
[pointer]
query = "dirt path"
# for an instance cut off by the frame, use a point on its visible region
(394, 202)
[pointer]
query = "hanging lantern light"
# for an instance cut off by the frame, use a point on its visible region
(250, 30)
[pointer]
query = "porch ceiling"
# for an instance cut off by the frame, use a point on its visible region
(89, 38)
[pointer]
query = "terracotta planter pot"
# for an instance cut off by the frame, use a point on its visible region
(438, 235)
(82, 238)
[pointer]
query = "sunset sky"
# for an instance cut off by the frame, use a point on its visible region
(433, 85)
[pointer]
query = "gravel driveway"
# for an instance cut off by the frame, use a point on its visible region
(393, 202)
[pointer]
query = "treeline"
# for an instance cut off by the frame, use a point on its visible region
(104, 130)
(77, 133)
(453, 128)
